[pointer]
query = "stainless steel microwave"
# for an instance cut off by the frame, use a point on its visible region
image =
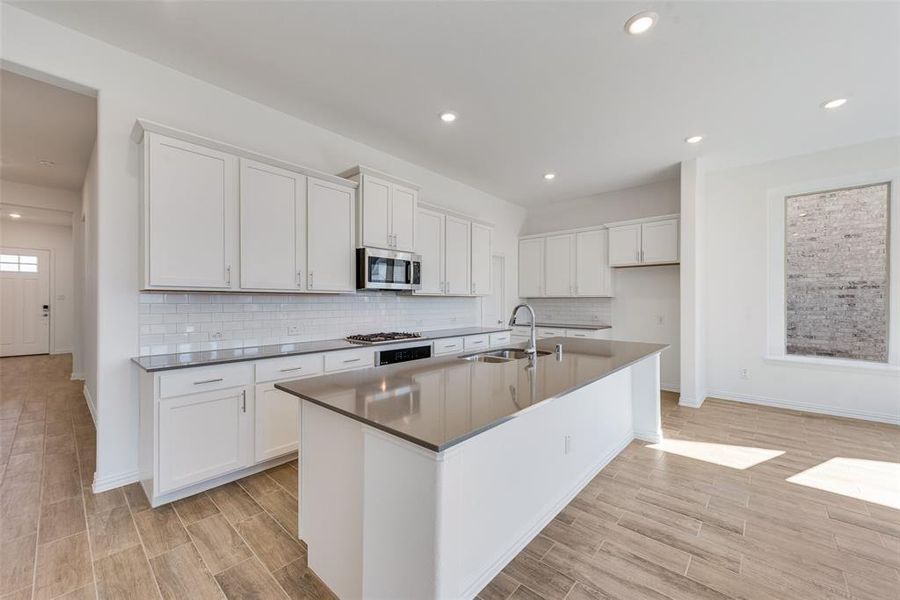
(378, 269)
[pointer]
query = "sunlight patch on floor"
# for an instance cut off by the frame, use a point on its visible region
(875, 481)
(726, 455)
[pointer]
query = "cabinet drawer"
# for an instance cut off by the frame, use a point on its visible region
(500, 339)
(343, 360)
(474, 342)
(448, 346)
(204, 379)
(289, 367)
(547, 332)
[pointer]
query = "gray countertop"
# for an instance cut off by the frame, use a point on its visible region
(439, 402)
(593, 327)
(165, 362)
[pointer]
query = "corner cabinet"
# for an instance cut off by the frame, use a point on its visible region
(565, 265)
(386, 210)
(456, 254)
(644, 242)
(218, 217)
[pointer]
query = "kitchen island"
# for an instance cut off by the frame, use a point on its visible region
(424, 479)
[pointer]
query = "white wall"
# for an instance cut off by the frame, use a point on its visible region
(693, 282)
(57, 239)
(643, 295)
(85, 230)
(653, 199)
(130, 87)
(735, 299)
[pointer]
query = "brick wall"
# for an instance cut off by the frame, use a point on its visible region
(836, 273)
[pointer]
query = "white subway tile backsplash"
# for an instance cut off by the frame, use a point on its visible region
(573, 310)
(191, 322)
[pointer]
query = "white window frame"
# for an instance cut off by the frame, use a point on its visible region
(775, 314)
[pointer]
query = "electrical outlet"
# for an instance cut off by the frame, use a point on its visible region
(294, 330)
(744, 373)
(215, 335)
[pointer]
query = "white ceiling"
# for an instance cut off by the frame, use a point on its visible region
(39, 121)
(538, 86)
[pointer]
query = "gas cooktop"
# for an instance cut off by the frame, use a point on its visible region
(382, 338)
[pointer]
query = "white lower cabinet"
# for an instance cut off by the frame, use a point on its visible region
(500, 339)
(590, 334)
(202, 436)
(448, 346)
(276, 423)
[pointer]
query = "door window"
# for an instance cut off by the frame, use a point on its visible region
(17, 263)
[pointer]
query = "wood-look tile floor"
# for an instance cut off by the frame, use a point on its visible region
(724, 523)
(660, 525)
(60, 540)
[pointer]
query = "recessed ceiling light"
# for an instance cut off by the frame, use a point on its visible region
(694, 139)
(448, 117)
(46, 163)
(641, 23)
(15, 216)
(550, 176)
(836, 103)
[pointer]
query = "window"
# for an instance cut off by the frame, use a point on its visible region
(837, 273)
(17, 263)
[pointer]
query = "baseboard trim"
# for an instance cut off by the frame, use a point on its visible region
(90, 402)
(670, 387)
(806, 407)
(105, 484)
(76, 377)
(690, 402)
(542, 522)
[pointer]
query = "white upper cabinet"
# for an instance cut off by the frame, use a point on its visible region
(430, 246)
(403, 217)
(659, 242)
(219, 217)
(565, 264)
(330, 238)
(481, 259)
(375, 212)
(531, 268)
(559, 265)
(625, 245)
(273, 228)
(387, 209)
(593, 276)
(646, 242)
(189, 215)
(457, 259)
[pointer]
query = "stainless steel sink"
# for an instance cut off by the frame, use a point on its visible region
(500, 356)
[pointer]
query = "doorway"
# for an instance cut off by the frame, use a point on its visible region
(493, 307)
(24, 301)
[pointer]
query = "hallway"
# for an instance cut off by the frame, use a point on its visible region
(58, 539)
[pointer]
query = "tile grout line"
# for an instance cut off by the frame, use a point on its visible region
(87, 524)
(193, 542)
(37, 534)
(143, 546)
(249, 547)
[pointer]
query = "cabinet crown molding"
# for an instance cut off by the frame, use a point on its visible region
(355, 172)
(544, 234)
(644, 220)
(452, 213)
(143, 126)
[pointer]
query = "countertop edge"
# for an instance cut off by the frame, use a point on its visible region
(455, 442)
(426, 336)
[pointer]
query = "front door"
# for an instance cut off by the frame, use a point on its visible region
(24, 301)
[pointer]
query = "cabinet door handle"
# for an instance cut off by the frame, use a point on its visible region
(299, 278)
(310, 280)
(208, 381)
(291, 369)
(243, 400)
(228, 275)
(352, 360)
(642, 255)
